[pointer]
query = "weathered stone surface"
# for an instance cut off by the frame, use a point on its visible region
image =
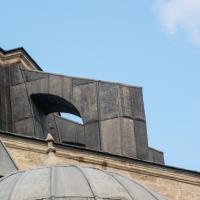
(39, 129)
(110, 136)
(126, 102)
(141, 139)
(108, 100)
(55, 85)
(24, 127)
(107, 109)
(67, 88)
(5, 107)
(38, 86)
(16, 75)
(78, 81)
(20, 102)
(70, 132)
(174, 184)
(156, 156)
(92, 135)
(128, 142)
(137, 103)
(34, 75)
(85, 98)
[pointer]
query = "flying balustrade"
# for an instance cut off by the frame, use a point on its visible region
(113, 114)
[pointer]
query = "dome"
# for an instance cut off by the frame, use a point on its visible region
(71, 182)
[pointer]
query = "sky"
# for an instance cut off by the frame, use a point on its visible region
(151, 43)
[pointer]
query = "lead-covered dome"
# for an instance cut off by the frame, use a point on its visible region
(71, 182)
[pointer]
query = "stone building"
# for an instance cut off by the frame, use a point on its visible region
(105, 157)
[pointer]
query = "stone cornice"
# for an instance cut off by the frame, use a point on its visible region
(18, 55)
(107, 161)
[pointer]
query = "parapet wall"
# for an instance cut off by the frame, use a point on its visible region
(112, 113)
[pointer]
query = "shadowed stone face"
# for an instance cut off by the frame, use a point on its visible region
(113, 114)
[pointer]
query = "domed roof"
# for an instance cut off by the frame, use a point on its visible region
(71, 182)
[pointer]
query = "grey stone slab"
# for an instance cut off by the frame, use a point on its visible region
(110, 136)
(80, 135)
(6, 126)
(125, 102)
(92, 136)
(78, 81)
(108, 100)
(20, 103)
(55, 85)
(5, 76)
(141, 139)
(24, 127)
(128, 143)
(68, 130)
(85, 99)
(39, 132)
(38, 86)
(16, 75)
(137, 103)
(34, 75)
(7, 165)
(67, 88)
(156, 156)
(52, 127)
(5, 104)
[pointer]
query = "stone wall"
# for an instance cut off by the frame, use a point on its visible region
(173, 183)
(113, 113)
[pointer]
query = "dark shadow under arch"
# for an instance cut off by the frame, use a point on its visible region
(49, 103)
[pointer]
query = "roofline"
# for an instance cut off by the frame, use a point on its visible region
(23, 51)
(103, 153)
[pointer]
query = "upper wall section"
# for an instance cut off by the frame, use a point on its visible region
(112, 113)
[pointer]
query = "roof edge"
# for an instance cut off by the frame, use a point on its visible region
(22, 53)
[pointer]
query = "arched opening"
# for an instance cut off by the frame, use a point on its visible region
(60, 117)
(51, 103)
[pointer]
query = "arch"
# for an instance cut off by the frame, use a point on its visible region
(49, 103)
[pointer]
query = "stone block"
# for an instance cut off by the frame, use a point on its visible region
(85, 99)
(137, 103)
(92, 136)
(34, 75)
(69, 131)
(5, 104)
(128, 143)
(24, 127)
(55, 85)
(20, 102)
(39, 132)
(16, 75)
(125, 102)
(156, 156)
(52, 127)
(38, 86)
(110, 136)
(78, 81)
(67, 88)
(141, 139)
(5, 76)
(108, 100)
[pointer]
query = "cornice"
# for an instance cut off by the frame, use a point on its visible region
(18, 55)
(107, 161)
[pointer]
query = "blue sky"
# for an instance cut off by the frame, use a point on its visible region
(153, 44)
